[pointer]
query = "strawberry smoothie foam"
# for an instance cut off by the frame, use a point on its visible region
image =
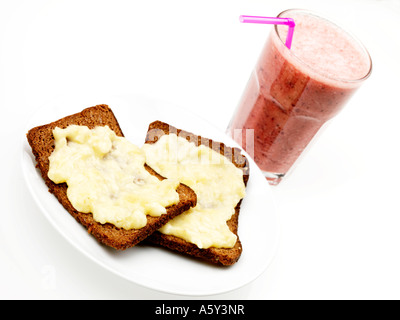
(292, 93)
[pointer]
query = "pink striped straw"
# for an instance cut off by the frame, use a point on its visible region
(271, 20)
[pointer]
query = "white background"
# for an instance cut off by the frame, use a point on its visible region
(339, 210)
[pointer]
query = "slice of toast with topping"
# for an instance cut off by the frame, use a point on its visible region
(224, 256)
(41, 141)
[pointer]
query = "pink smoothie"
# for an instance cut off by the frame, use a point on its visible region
(292, 93)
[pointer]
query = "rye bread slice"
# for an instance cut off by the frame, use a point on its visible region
(222, 256)
(41, 141)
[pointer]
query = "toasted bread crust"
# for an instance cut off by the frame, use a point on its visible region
(41, 141)
(222, 256)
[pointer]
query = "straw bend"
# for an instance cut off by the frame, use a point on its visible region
(291, 22)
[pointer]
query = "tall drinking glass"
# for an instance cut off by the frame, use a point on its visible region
(292, 93)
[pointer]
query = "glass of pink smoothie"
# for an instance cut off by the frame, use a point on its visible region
(292, 93)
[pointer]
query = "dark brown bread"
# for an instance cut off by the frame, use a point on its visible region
(41, 141)
(215, 255)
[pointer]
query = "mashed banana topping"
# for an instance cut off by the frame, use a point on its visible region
(216, 181)
(106, 176)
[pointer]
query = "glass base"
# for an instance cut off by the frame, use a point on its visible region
(273, 178)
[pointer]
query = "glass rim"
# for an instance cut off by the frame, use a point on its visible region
(324, 75)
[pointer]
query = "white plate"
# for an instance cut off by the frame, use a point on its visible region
(145, 265)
